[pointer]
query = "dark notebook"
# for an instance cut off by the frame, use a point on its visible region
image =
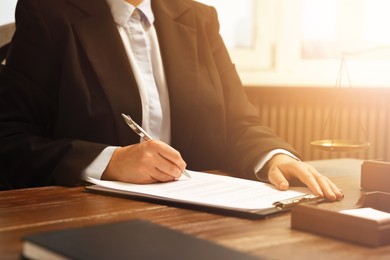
(136, 239)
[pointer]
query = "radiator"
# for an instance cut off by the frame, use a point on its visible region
(302, 115)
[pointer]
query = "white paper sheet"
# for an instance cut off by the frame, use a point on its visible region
(210, 190)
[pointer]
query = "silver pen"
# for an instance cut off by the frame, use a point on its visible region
(142, 133)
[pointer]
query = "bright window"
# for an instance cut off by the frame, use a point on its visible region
(236, 23)
(302, 42)
(7, 11)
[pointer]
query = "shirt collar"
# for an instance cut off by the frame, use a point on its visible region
(121, 11)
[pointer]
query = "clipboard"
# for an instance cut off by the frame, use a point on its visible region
(240, 197)
(277, 206)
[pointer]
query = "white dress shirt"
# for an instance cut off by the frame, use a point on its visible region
(121, 11)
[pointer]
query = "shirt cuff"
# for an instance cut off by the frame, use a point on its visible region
(96, 168)
(268, 157)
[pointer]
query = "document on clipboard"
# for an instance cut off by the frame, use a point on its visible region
(213, 191)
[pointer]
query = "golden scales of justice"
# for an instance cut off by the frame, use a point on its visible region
(338, 145)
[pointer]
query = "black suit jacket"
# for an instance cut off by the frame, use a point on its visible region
(68, 79)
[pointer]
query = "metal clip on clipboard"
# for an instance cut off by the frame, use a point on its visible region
(289, 203)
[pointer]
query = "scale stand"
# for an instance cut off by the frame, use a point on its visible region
(338, 145)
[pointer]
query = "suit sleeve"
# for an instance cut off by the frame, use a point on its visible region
(29, 154)
(247, 139)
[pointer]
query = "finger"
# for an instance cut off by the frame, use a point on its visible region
(276, 177)
(158, 167)
(175, 158)
(338, 192)
(147, 178)
(142, 177)
(170, 154)
(300, 171)
(167, 167)
(161, 176)
(331, 191)
(325, 186)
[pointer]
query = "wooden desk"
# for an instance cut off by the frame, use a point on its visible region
(29, 211)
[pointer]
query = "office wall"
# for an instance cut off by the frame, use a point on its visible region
(302, 115)
(7, 10)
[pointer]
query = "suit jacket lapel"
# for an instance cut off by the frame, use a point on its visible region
(175, 25)
(101, 41)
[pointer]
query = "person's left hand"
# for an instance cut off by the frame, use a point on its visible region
(283, 169)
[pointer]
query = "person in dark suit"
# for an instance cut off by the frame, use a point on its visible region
(70, 73)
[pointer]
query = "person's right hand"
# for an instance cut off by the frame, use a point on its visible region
(146, 162)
